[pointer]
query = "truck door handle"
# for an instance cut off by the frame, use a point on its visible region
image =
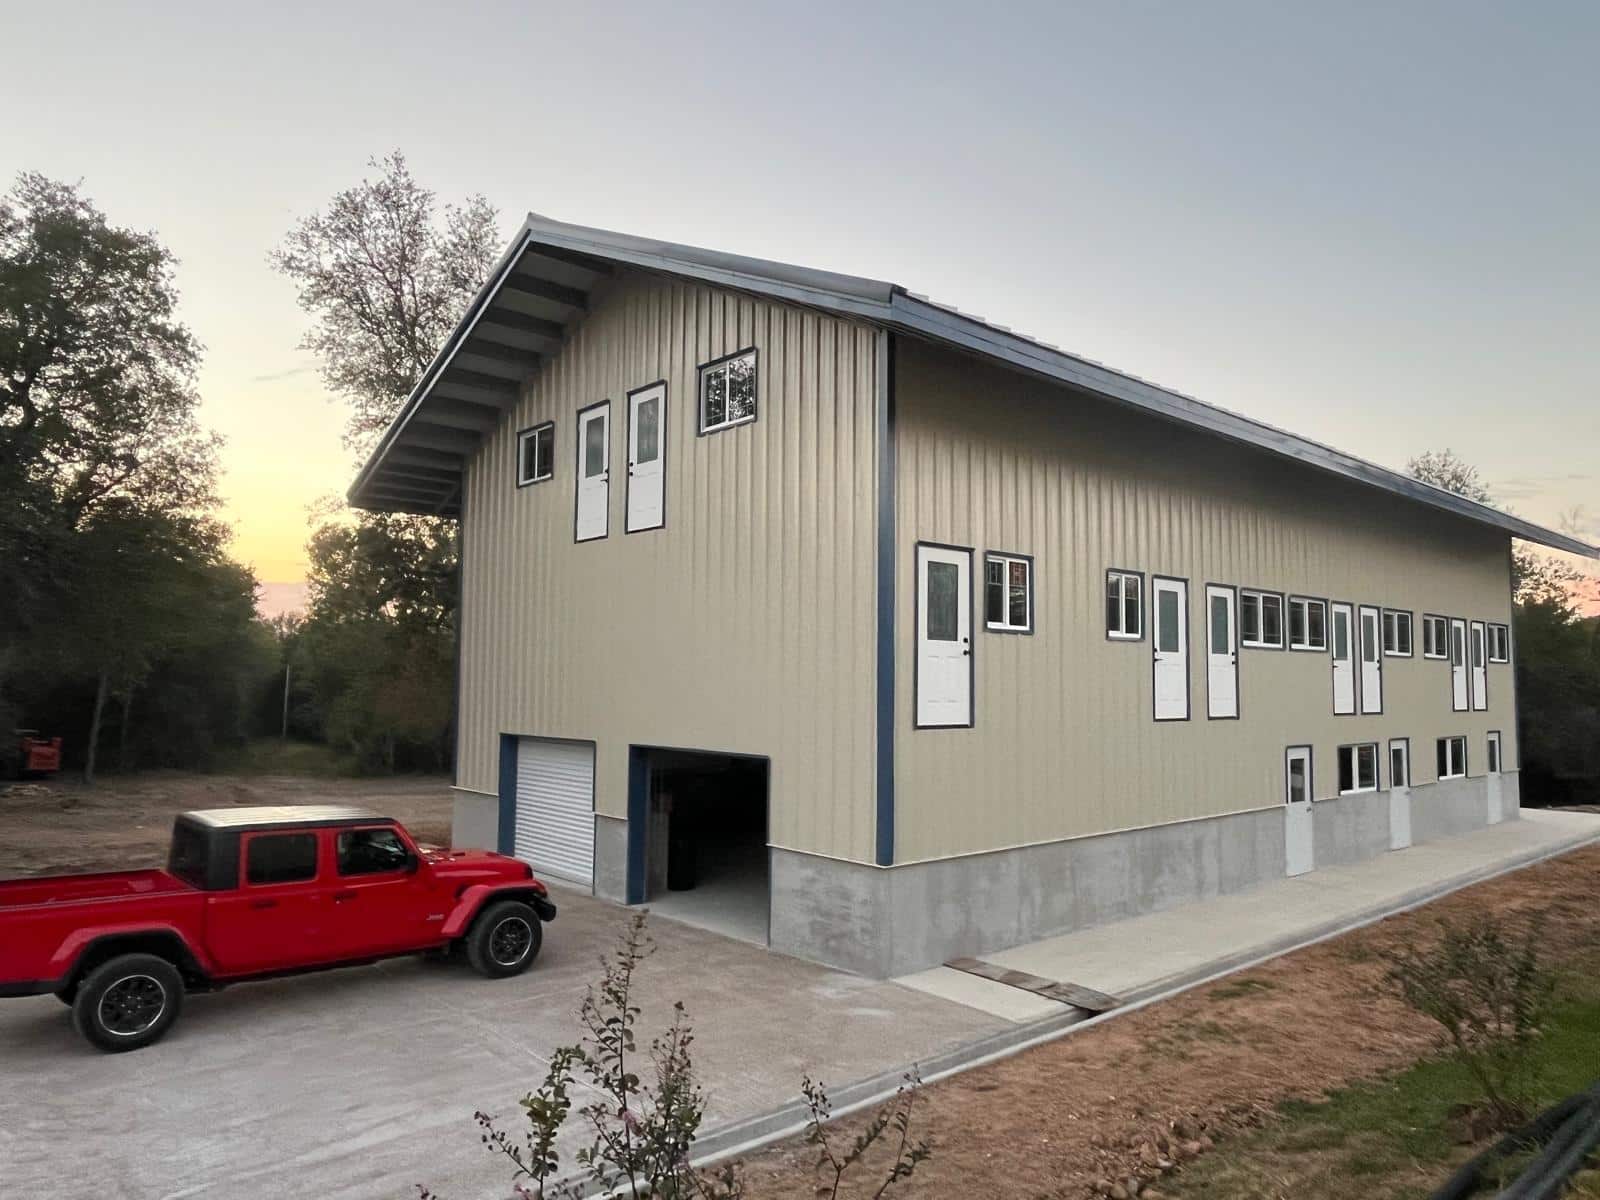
(263, 904)
(340, 897)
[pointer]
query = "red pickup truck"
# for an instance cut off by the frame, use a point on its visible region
(256, 892)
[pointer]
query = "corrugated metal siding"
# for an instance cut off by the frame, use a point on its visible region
(555, 807)
(746, 624)
(1064, 742)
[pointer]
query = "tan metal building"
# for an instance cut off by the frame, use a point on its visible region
(801, 606)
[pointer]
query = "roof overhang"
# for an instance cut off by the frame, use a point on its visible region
(552, 272)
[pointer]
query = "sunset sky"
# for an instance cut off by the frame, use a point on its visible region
(1378, 226)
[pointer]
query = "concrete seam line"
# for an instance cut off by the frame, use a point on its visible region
(1033, 1035)
(787, 1120)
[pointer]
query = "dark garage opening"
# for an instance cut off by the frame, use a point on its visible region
(706, 860)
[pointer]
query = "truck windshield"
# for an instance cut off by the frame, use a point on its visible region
(188, 857)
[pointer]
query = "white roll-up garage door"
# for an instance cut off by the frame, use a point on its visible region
(555, 808)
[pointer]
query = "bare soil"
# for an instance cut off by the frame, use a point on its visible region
(1136, 1097)
(124, 822)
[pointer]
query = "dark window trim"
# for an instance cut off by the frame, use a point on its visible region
(1465, 756)
(1499, 751)
(1355, 658)
(1411, 621)
(1143, 592)
(1032, 592)
(1466, 659)
(700, 392)
(530, 431)
(1238, 683)
(627, 437)
(577, 483)
(1505, 628)
(916, 636)
(1311, 770)
(1188, 649)
(1361, 681)
(1355, 775)
(1445, 657)
(1403, 740)
(1327, 640)
(1283, 619)
(1472, 689)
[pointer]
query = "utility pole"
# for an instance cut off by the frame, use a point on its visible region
(284, 734)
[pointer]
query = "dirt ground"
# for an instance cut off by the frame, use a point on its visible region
(1141, 1094)
(125, 823)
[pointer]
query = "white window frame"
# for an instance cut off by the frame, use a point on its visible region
(720, 366)
(1006, 559)
(1499, 632)
(1450, 743)
(1125, 579)
(1390, 620)
(1259, 598)
(532, 433)
(1353, 752)
(1307, 602)
(1432, 621)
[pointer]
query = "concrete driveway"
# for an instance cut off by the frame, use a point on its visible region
(363, 1082)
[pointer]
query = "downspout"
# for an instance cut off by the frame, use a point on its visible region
(884, 856)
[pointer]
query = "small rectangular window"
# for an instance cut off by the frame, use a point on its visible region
(1397, 633)
(1358, 768)
(728, 392)
(1124, 605)
(1261, 620)
(536, 454)
(1398, 774)
(281, 858)
(1493, 758)
(1008, 593)
(370, 852)
(1435, 637)
(1499, 644)
(1308, 623)
(1452, 757)
(944, 601)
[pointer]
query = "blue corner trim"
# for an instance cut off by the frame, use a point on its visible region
(638, 820)
(507, 839)
(886, 598)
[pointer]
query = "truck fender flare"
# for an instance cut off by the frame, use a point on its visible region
(473, 899)
(98, 944)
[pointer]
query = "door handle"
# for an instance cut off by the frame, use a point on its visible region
(341, 897)
(263, 904)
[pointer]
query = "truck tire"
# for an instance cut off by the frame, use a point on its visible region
(128, 1002)
(505, 939)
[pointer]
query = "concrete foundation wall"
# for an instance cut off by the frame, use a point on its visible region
(611, 858)
(1348, 829)
(475, 822)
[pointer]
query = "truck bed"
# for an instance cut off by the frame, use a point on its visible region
(108, 885)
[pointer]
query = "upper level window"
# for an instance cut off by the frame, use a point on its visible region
(1124, 605)
(1397, 633)
(728, 391)
(1452, 757)
(536, 454)
(1261, 619)
(1308, 623)
(1358, 768)
(1435, 637)
(1499, 643)
(1008, 593)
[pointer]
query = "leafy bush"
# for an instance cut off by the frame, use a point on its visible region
(640, 1136)
(1490, 996)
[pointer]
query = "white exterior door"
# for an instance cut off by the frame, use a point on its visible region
(1371, 662)
(1222, 652)
(1480, 670)
(1458, 664)
(944, 636)
(1344, 664)
(1298, 847)
(1170, 634)
(1399, 794)
(1497, 809)
(555, 808)
(647, 457)
(594, 473)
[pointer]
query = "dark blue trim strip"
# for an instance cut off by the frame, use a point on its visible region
(886, 598)
(638, 820)
(506, 842)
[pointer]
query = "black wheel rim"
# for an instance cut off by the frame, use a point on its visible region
(509, 941)
(132, 1004)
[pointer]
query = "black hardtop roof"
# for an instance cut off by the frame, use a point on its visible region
(269, 816)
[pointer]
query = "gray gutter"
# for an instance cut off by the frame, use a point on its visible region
(891, 306)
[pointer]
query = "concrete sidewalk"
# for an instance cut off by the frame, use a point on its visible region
(1145, 955)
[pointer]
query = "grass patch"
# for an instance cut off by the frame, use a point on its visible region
(272, 756)
(1235, 988)
(1393, 1135)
